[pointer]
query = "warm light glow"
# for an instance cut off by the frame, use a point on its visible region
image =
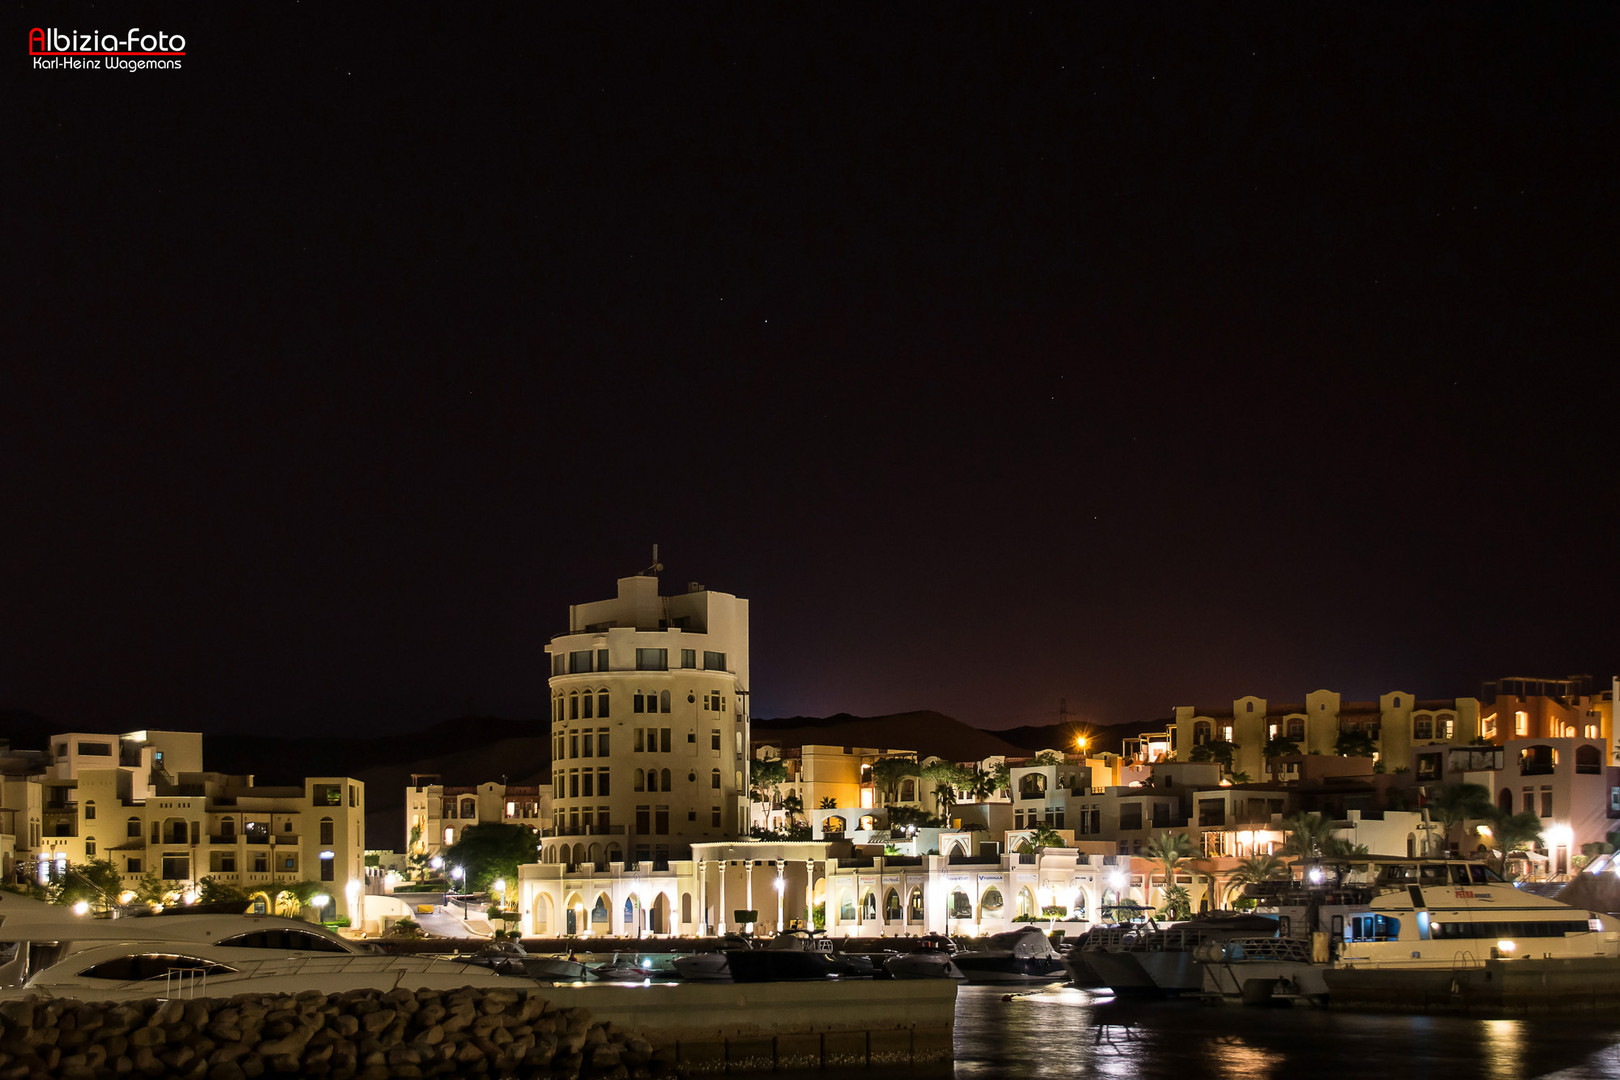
(500, 885)
(437, 862)
(81, 908)
(1484, 830)
(1316, 875)
(1116, 880)
(126, 896)
(1506, 946)
(1080, 743)
(189, 896)
(319, 901)
(780, 885)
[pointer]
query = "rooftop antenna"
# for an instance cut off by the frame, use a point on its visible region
(656, 565)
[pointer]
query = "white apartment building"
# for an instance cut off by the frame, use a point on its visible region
(650, 726)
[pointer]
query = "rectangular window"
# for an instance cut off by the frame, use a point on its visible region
(588, 748)
(587, 784)
(661, 821)
(643, 819)
(95, 749)
(714, 816)
(579, 663)
(573, 706)
(663, 739)
(714, 739)
(573, 783)
(636, 705)
(1528, 801)
(1546, 802)
(602, 783)
(714, 661)
(602, 705)
(327, 794)
(327, 830)
(557, 663)
(688, 658)
(176, 867)
(132, 866)
(1130, 815)
(601, 660)
(261, 862)
(638, 735)
(652, 659)
(328, 869)
(573, 745)
(602, 742)
(585, 700)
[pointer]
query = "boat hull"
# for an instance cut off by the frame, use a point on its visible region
(1522, 985)
(1020, 970)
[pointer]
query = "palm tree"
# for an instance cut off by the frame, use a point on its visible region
(1453, 804)
(1510, 832)
(945, 776)
(1167, 849)
(1255, 869)
(1309, 835)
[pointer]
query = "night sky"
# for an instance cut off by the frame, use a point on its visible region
(1000, 354)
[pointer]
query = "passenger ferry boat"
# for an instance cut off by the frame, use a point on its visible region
(1434, 933)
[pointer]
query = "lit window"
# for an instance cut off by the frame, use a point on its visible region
(1521, 723)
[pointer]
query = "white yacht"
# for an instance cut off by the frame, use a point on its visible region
(1436, 933)
(47, 949)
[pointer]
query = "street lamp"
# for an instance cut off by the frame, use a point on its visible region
(319, 902)
(457, 875)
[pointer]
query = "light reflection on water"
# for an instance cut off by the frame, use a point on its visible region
(1075, 1033)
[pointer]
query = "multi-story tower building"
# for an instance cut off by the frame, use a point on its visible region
(649, 723)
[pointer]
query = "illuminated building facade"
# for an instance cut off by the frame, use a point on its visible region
(649, 725)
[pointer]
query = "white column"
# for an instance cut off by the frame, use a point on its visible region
(720, 908)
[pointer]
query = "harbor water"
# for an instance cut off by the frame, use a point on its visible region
(1065, 1032)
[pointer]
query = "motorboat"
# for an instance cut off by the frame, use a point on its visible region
(710, 966)
(511, 958)
(1024, 955)
(933, 958)
(1435, 933)
(1159, 959)
(796, 955)
(616, 970)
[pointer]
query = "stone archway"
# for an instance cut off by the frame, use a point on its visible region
(658, 916)
(544, 915)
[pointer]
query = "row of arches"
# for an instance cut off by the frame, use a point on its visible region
(583, 914)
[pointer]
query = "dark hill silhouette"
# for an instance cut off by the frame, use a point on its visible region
(1062, 736)
(930, 733)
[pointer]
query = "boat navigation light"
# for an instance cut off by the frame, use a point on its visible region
(1505, 946)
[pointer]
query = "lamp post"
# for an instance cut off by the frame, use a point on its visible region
(457, 875)
(319, 902)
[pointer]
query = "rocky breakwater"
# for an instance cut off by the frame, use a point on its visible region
(356, 1034)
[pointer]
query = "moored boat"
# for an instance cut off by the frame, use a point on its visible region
(1017, 956)
(933, 958)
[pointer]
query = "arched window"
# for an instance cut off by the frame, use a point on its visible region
(960, 907)
(1026, 904)
(846, 906)
(134, 827)
(1504, 801)
(1032, 785)
(573, 706)
(869, 907)
(891, 906)
(90, 810)
(908, 790)
(868, 822)
(640, 781)
(833, 823)
(914, 904)
(586, 703)
(449, 834)
(1078, 908)
(991, 904)
(1296, 727)
(1423, 727)
(663, 701)
(469, 809)
(1588, 759)
(638, 703)
(714, 779)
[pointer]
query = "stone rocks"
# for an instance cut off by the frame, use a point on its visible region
(353, 1035)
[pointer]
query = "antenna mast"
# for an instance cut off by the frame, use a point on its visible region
(656, 565)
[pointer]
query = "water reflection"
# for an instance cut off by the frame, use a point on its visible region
(1069, 1033)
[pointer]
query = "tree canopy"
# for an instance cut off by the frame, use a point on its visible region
(888, 772)
(490, 851)
(765, 777)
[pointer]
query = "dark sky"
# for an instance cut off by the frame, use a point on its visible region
(1000, 354)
